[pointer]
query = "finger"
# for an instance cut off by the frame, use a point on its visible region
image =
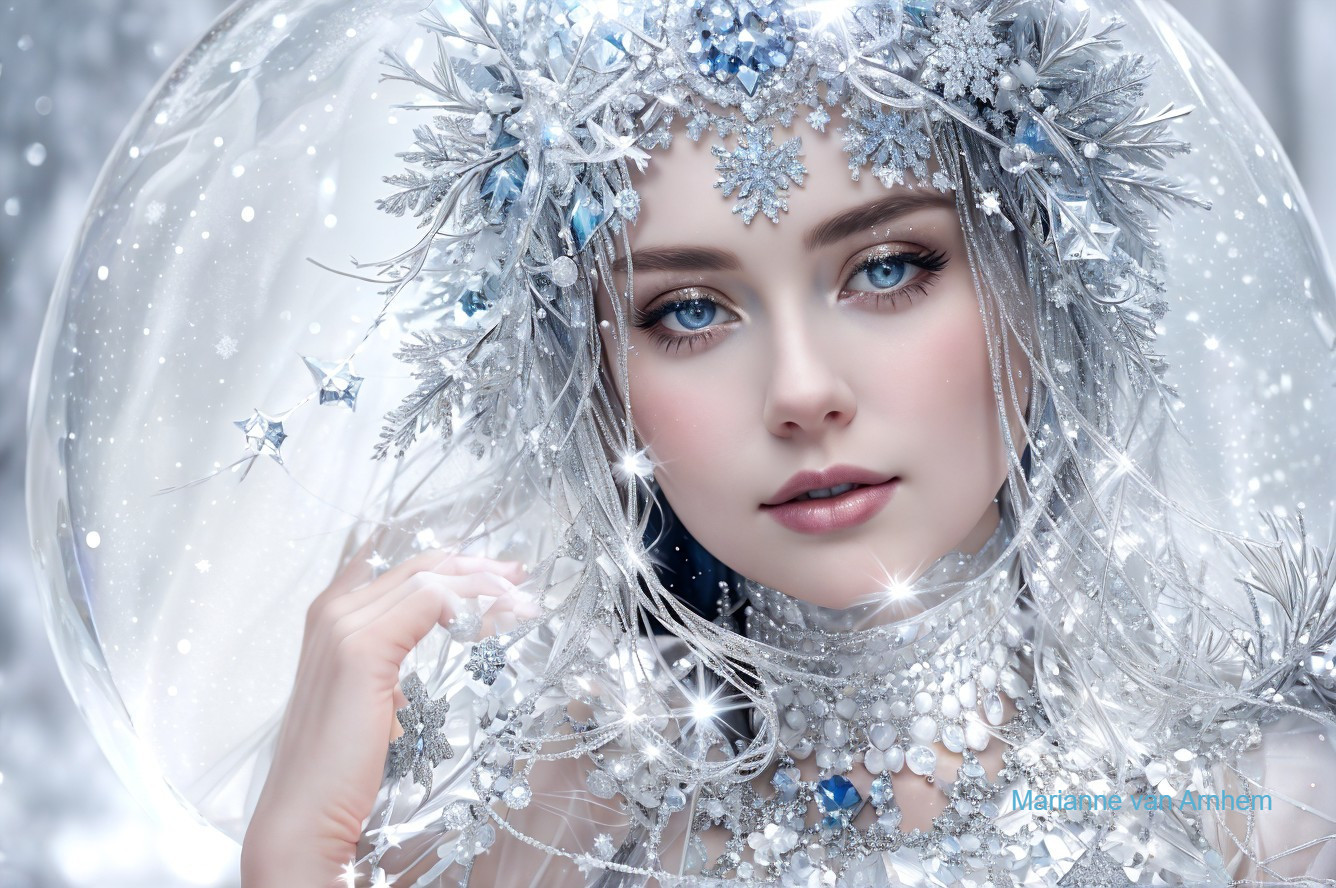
(425, 603)
(434, 562)
(450, 591)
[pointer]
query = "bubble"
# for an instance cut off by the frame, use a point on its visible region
(43, 105)
(12, 206)
(36, 154)
(103, 272)
(93, 539)
(183, 646)
(247, 214)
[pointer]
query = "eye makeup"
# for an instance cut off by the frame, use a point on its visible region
(694, 316)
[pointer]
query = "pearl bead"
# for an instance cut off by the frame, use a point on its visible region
(976, 735)
(923, 730)
(874, 760)
(895, 759)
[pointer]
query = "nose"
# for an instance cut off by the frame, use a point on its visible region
(807, 393)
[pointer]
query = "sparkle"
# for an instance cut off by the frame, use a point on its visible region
(703, 709)
(635, 465)
(898, 589)
(203, 566)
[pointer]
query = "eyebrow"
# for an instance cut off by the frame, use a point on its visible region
(870, 215)
(833, 230)
(679, 258)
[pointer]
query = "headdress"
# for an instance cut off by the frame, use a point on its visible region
(1056, 126)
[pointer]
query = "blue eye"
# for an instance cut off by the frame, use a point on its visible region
(886, 273)
(895, 272)
(686, 322)
(692, 315)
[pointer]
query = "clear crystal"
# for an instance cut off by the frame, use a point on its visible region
(922, 760)
(518, 796)
(992, 707)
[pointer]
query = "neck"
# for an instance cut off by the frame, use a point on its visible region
(963, 578)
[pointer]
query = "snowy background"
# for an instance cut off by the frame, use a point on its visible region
(71, 75)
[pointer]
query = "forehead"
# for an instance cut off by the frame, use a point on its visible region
(681, 203)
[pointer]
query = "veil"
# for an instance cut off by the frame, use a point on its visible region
(225, 409)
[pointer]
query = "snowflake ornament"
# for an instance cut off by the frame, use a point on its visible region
(487, 659)
(422, 746)
(759, 172)
(967, 58)
(892, 142)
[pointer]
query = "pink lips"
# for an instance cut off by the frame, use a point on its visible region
(848, 509)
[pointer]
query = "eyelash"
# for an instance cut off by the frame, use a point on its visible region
(930, 263)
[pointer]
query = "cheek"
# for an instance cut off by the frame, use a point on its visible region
(945, 400)
(683, 416)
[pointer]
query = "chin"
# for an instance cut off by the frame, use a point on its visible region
(829, 582)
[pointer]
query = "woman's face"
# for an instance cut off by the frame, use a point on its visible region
(846, 340)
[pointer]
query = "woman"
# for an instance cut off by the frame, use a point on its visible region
(946, 607)
(830, 408)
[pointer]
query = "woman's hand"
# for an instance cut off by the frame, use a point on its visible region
(330, 757)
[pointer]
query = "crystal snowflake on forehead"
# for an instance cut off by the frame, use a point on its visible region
(759, 172)
(892, 142)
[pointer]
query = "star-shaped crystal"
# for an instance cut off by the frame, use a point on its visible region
(422, 746)
(264, 434)
(759, 172)
(336, 382)
(1079, 231)
(487, 659)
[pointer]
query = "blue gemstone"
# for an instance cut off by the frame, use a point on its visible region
(742, 39)
(601, 42)
(838, 796)
(473, 302)
(1034, 136)
(919, 10)
(503, 184)
(584, 215)
(785, 783)
(882, 792)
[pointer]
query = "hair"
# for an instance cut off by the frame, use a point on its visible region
(1140, 632)
(1104, 543)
